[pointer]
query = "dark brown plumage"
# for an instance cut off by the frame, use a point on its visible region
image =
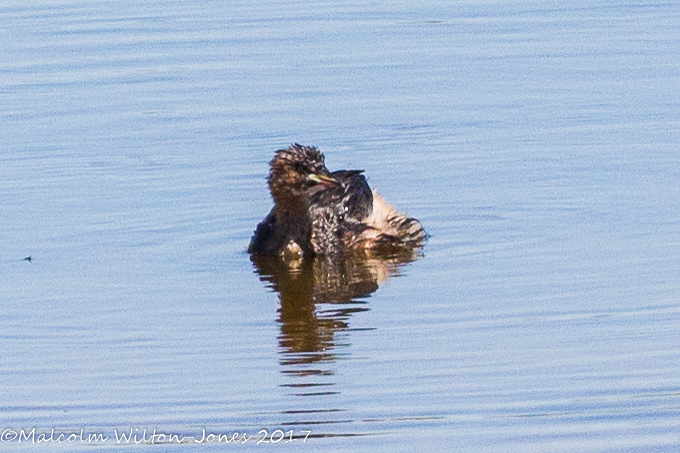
(321, 213)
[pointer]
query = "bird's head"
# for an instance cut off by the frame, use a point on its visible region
(296, 169)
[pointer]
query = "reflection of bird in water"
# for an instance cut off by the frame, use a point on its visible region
(317, 212)
(337, 285)
(319, 296)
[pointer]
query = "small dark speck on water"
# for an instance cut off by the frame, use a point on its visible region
(28, 258)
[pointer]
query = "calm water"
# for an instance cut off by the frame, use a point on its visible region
(536, 141)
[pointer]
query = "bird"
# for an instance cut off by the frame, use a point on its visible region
(318, 212)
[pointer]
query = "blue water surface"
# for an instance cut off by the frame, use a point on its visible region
(535, 140)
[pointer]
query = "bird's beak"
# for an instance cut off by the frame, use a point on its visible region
(324, 179)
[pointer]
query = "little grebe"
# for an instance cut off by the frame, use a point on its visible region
(317, 212)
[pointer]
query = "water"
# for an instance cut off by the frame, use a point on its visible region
(536, 141)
